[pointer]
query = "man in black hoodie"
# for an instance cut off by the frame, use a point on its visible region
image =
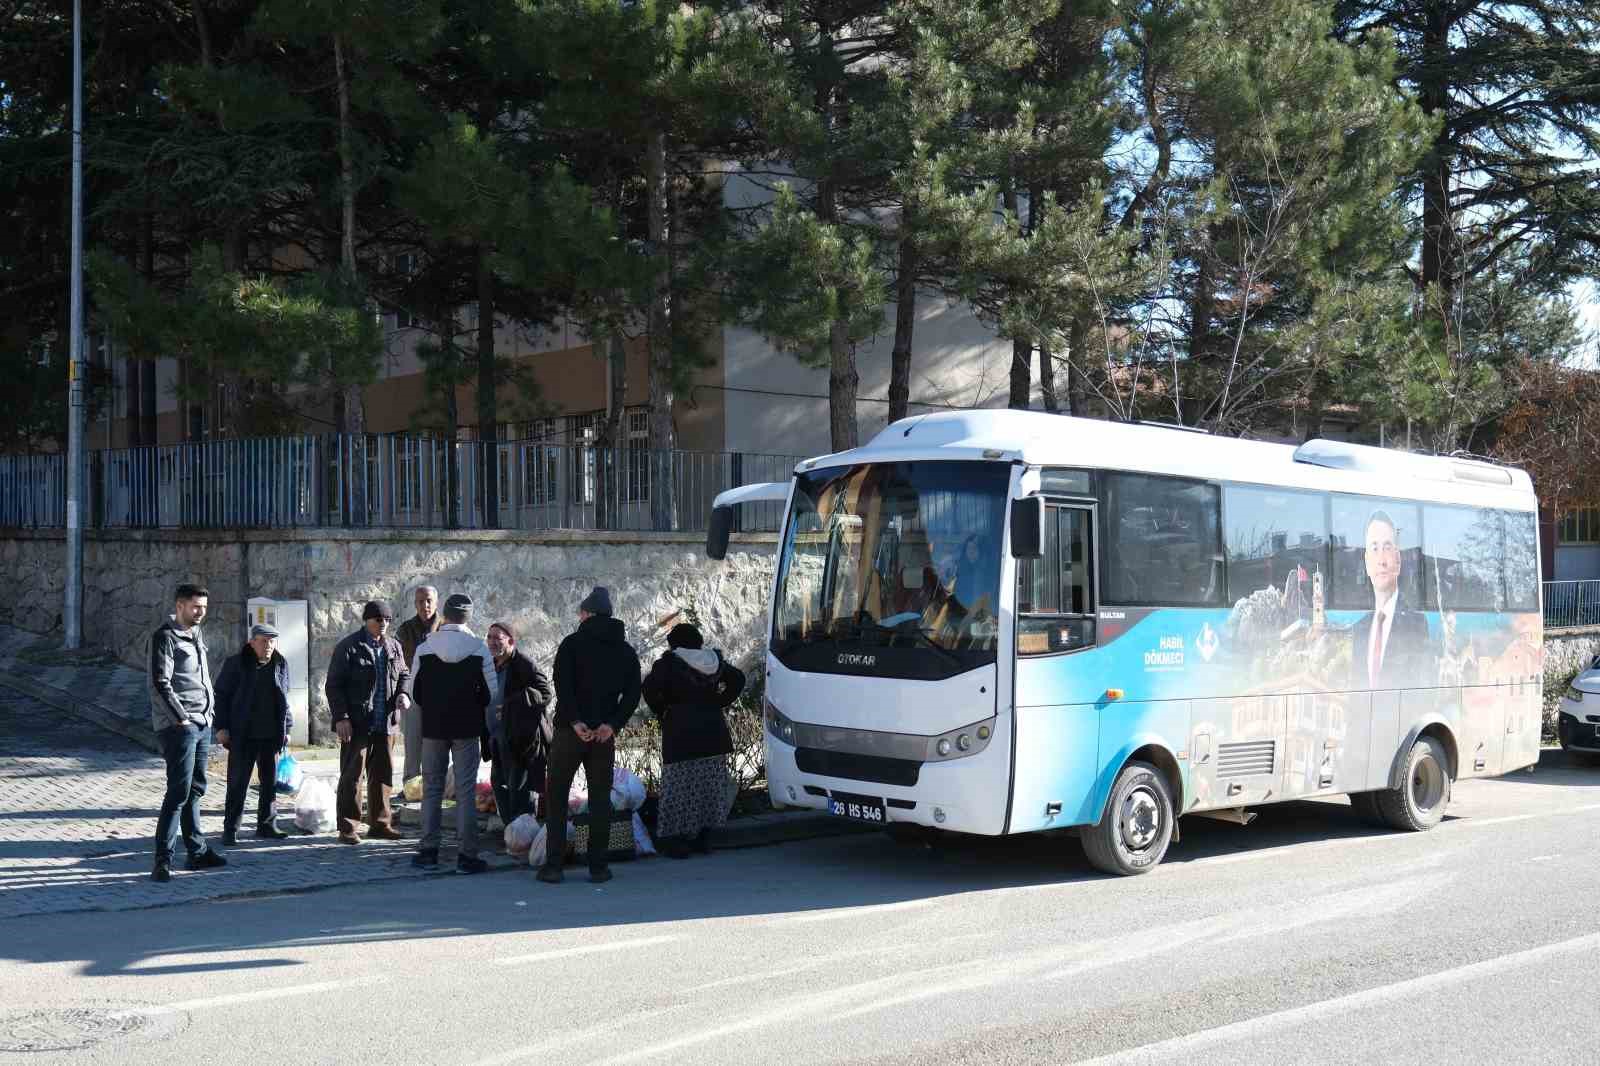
(597, 690)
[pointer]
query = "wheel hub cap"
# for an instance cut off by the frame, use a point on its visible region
(1141, 819)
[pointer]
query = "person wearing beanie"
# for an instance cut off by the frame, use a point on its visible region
(253, 723)
(597, 691)
(367, 693)
(687, 690)
(454, 683)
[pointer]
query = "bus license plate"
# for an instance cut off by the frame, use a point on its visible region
(857, 810)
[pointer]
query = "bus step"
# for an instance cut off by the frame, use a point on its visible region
(1235, 815)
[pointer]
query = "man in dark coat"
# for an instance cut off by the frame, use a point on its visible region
(253, 723)
(1389, 649)
(413, 631)
(516, 738)
(367, 693)
(597, 690)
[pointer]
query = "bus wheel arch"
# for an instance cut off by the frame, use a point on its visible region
(1137, 823)
(1443, 735)
(1167, 763)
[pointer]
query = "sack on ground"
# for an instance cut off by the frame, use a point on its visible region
(541, 840)
(621, 844)
(289, 777)
(314, 806)
(520, 834)
(413, 789)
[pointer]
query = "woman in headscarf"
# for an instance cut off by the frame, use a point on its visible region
(687, 690)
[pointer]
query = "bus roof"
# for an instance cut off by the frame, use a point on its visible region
(1039, 439)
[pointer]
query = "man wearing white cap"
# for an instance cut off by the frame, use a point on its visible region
(253, 723)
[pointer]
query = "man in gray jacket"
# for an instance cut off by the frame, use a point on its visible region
(182, 706)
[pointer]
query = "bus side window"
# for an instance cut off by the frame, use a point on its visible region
(1055, 597)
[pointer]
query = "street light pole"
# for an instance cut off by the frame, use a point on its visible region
(73, 613)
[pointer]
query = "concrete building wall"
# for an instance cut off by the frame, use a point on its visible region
(533, 582)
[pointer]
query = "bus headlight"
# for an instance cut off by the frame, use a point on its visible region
(968, 740)
(777, 724)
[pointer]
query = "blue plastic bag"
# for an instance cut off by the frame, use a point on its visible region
(290, 775)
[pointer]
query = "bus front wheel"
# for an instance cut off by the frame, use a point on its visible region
(1133, 833)
(1424, 790)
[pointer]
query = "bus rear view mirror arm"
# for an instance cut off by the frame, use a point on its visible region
(1027, 528)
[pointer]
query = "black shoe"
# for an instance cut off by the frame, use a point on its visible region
(702, 843)
(600, 876)
(427, 858)
(673, 847)
(230, 838)
(468, 865)
(162, 872)
(269, 831)
(550, 875)
(206, 860)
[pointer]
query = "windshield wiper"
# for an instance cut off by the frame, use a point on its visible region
(908, 629)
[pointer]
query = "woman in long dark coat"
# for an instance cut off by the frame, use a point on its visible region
(687, 690)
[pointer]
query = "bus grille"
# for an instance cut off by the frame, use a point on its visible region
(857, 767)
(1246, 759)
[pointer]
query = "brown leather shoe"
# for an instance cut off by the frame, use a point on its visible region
(384, 832)
(349, 838)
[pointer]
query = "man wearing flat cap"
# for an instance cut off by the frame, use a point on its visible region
(453, 681)
(253, 723)
(367, 687)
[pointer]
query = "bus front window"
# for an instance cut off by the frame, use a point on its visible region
(893, 569)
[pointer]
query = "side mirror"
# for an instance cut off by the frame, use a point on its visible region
(717, 532)
(1027, 528)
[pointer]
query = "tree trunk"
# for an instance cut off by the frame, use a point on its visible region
(1203, 299)
(450, 359)
(1021, 349)
(1077, 365)
(1047, 378)
(843, 380)
(662, 490)
(1438, 244)
(608, 458)
(353, 409)
(488, 426)
(905, 317)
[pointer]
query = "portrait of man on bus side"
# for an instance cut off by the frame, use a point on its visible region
(1390, 644)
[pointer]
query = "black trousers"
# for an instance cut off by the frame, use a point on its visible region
(244, 756)
(567, 753)
(512, 790)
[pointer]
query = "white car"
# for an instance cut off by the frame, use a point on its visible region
(1578, 725)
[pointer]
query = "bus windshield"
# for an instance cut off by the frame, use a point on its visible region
(892, 569)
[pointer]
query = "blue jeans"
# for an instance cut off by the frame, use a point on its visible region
(186, 748)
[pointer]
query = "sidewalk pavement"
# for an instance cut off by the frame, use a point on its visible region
(80, 789)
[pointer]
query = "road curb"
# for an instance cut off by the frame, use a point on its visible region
(88, 710)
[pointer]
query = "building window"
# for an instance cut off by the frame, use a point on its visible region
(541, 461)
(1579, 527)
(638, 455)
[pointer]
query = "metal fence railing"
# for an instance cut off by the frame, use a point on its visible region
(1571, 603)
(390, 482)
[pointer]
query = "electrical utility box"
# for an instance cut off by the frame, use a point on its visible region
(292, 620)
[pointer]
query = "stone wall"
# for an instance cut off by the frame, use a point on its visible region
(531, 581)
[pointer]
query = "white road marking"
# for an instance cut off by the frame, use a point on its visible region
(584, 1035)
(1179, 1047)
(589, 949)
(860, 912)
(257, 996)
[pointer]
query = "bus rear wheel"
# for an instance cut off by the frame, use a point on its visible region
(1424, 791)
(1133, 833)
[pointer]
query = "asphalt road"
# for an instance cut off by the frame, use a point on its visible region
(1304, 938)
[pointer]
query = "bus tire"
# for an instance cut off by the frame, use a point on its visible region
(1133, 833)
(1424, 792)
(1365, 804)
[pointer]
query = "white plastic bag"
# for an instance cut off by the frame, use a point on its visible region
(314, 806)
(520, 835)
(536, 846)
(642, 844)
(413, 789)
(627, 791)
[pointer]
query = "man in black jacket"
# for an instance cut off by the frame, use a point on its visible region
(516, 741)
(597, 690)
(253, 723)
(367, 692)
